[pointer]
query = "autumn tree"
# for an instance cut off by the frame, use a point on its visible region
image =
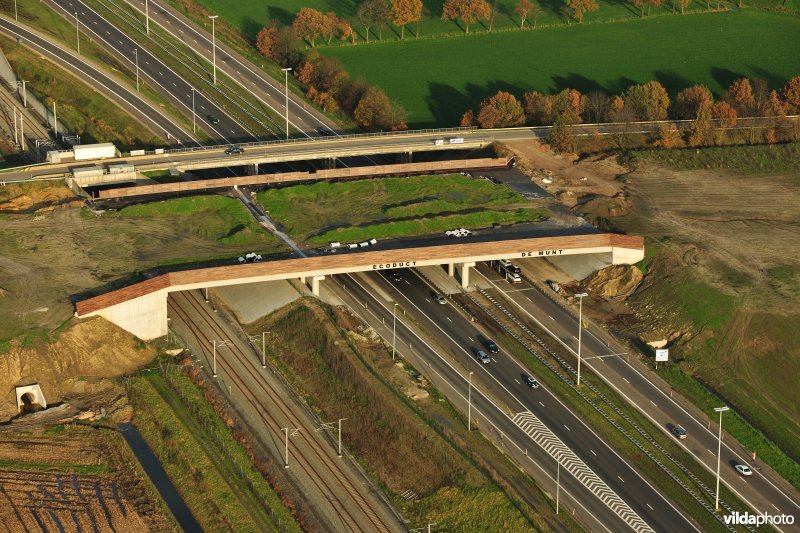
(536, 12)
(569, 104)
(775, 106)
(351, 93)
(669, 137)
(701, 128)
(286, 47)
(502, 110)
(578, 8)
(791, 93)
(560, 137)
(330, 25)
(467, 11)
(724, 114)
(346, 31)
(523, 8)
(596, 106)
(375, 111)
(682, 4)
(309, 25)
(494, 8)
(538, 108)
(467, 119)
(265, 41)
(405, 12)
(740, 96)
(649, 101)
(640, 4)
(689, 100)
(373, 13)
(651, 4)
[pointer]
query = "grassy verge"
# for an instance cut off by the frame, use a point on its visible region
(337, 372)
(437, 88)
(393, 207)
(211, 470)
(224, 220)
(758, 159)
(618, 441)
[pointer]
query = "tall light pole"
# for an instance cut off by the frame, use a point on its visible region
(213, 46)
(286, 444)
(215, 344)
(136, 56)
(147, 16)
(340, 436)
(558, 482)
(24, 94)
(15, 11)
(55, 120)
(720, 410)
(580, 298)
(194, 115)
(394, 327)
(286, 94)
(264, 350)
(78, 32)
(469, 403)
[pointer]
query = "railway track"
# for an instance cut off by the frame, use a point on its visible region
(183, 305)
(33, 128)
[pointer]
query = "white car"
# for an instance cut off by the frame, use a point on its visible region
(744, 470)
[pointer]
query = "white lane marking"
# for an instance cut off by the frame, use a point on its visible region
(776, 508)
(531, 301)
(493, 359)
(712, 453)
(407, 282)
(566, 426)
(650, 506)
(593, 452)
(626, 381)
(449, 319)
(471, 339)
(654, 403)
(518, 383)
(540, 403)
(619, 478)
(551, 317)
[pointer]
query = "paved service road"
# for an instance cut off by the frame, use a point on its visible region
(764, 491)
(501, 380)
(117, 91)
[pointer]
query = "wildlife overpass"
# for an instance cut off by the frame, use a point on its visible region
(141, 308)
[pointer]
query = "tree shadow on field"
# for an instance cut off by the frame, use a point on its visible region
(619, 86)
(251, 27)
(672, 81)
(626, 4)
(578, 82)
(448, 104)
(280, 14)
(343, 8)
(724, 77)
(552, 6)
(773, 80)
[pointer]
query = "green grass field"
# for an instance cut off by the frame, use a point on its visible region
(393, 207)
(250, 16)
(436, 84)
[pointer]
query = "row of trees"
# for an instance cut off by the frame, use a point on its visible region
(646, 102)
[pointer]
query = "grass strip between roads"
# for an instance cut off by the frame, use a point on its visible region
(210, 469)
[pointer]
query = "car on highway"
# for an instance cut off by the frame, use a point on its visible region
(679, 432)
(482, 357)
(395, 276)
(234, 150)
(325, 131)
(530, 381)
(213, 119)
(439, 299)
(491, 346)
(744, 470)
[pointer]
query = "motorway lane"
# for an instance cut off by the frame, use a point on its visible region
(115, 90)
(486, 413)
(462, 338)
(764, 490)
(160, 76)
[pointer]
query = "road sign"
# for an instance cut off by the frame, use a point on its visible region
(662, 355)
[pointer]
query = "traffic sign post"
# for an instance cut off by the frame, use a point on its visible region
(662, 356)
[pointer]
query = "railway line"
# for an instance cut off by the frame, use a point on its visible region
(347, 503)
(33, 128)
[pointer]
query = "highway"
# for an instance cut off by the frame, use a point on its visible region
(764, 491)
(116, 90)
(499, 395)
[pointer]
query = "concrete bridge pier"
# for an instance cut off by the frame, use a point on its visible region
(451, 269)
(465, 274)
(315, 284)
(252, 169)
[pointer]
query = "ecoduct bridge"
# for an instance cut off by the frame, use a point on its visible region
(141, 308)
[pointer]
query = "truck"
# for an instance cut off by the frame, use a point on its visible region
(509, 270)
(438, 142)
(95, 151)
(457, 140)
(87, 172)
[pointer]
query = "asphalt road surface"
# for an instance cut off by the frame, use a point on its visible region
(501, 380)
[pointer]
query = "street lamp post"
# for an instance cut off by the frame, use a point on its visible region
(580, 298)
(558, 482)
(194, 115)
(15, 11)
(213, 47)
(78, 32)
(469, 403)
(215, 343)
(24, 94)
(136, 56)
(286, 94)
(394, 327)
(720, 410)
(263, 349)
(147, 16)
(286, 444)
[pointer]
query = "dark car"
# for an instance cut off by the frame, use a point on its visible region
(491, 346)
(212, 119)
(325, 131)
(394, 275)
(233, 150)
(530, 382)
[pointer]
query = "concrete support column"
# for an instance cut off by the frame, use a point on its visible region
(465, 274)
(451, 269)
(303, 280)
(252, 169)
(409, 156)
(315, 284)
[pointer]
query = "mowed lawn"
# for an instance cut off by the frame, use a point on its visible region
(438, 79)
(393, 207)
